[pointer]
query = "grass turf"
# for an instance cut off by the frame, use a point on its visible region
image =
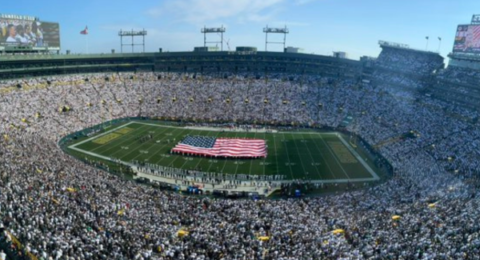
(296, 155)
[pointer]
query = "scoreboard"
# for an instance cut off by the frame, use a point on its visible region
(28, 31)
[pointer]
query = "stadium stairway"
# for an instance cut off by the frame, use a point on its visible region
(387, 141)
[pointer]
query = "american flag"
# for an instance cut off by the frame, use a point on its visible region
(475, 31)
(85, 31)
(222, 147)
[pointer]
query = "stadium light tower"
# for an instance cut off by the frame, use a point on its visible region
(132, 34)
(221, 30)
(283, 31)
(476, 19)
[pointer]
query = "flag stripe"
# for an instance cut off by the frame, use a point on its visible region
(226, 147)
(85, 31)
(476, 33)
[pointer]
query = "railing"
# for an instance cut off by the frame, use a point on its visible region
(10, 57)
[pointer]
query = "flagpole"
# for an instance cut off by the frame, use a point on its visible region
(439, 44)
(85, 32)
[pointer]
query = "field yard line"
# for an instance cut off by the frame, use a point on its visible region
(97, 136)
(122, 142)
(186, 161)
(211, 164)
(314, 133)
(106, 158)
(276, 155)
(221, 130)
(159, 149)
(199, 161)
(141, 145)
(288, 155)
(324, 158)
(364, 164)
(313, 160)
(236, 168)
(171, 163)
(359, 158)
(158, 125)
(301, 161)
(238, 163)
(334, 156)
(314, 181)
(208, 170)
(177, 135)
(128, 141)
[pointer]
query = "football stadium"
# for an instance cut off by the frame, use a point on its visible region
(238, 152)
(288, 156)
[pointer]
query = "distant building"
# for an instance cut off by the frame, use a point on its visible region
(340, 54)
(246, 49)
(205, 49)
(293, 50)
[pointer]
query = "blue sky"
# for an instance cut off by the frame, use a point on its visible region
(317, 26)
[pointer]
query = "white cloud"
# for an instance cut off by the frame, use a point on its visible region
(117, 27)
(203, 11)
(289, 23)
(155, 11)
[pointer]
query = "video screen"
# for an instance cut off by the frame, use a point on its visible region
(15, 32)
(467, 39)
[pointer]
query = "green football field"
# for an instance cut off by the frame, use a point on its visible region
(324, 157)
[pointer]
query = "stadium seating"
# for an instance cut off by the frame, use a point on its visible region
(62, 208)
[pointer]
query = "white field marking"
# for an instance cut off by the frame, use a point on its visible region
(276, 155)
(148, 149)
(359, 158)
(284, 181)
(288, 156)
(315, 164)
(220, 129)
(97, 136)
(298, 152)
(330, 150)
(237, 163)
(171, 164)
(199, 161)
(160, 149)
(374, 178)
(321, 155)
(125, 140)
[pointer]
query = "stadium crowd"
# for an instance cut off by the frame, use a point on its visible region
(459, 75)
(61, 208)
(409, 61)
